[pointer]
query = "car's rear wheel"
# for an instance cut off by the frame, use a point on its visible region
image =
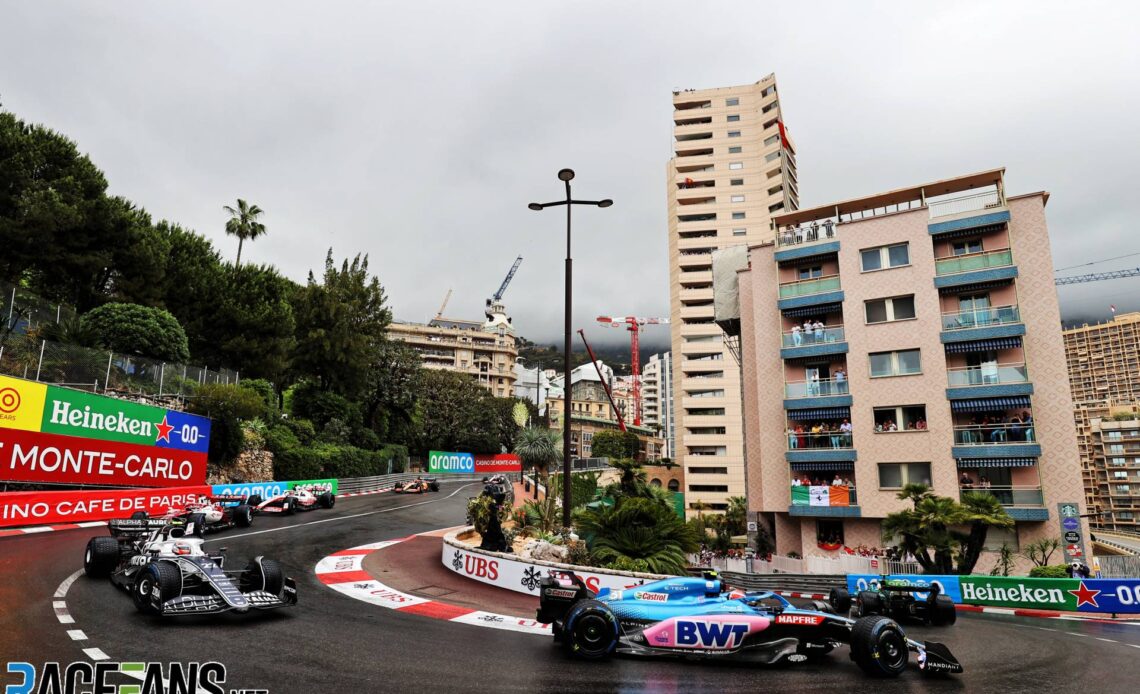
(840, 600)
(868, 602)
(198, 521)
(878, 646)
(266, 576)
(591, 630)
(243, 516)
(139, 515)
(942, 612)
(254, 500)
(287, 507)
(159, 576)
(326, 500)
(101, 557)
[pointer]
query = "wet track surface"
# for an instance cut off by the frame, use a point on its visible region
(331, 643)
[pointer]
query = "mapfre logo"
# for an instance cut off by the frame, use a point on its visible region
(810, 620)
(9, 400)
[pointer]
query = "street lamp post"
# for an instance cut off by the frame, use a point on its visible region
(567, 175)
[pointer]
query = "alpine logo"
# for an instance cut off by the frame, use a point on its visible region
(651, 597)
(811, 620)
(695, 634)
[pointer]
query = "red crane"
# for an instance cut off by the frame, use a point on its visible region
(633, 325)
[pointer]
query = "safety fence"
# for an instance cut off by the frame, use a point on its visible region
(1119, 567)
(816, 565)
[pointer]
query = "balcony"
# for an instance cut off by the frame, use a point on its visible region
(998, 440)
(975, 268)
(973, 211)
(1023, 503)
(824, 447)
(810, 292)
(798, 343)
(805, 241)
(801, 395)
(988, 381)
(824, 502)
(982, 324)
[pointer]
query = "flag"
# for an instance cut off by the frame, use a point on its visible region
(784, 137)
(820, 496)
(800, 496)
(839, 496)
(1112, 307)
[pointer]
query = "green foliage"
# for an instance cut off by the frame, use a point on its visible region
(281, 438)
(226, 406)
(250, 325)
(320, 407)
(135, 329)
(479, 511)
(335, 432)
(638, 529)
(1004, 562)
(538, 448)
(336, 460)
(615, 445)
(1041, 551)
(1053, 571)
(580, 554)
(303, 429)
(543, 515)
(583, 488)
(393, 384)
(737, 515)
(296, 464)
(253, 434)
(267, 393)
(764, 544)
(244, 224)
(933, 526)
(623, 563)
(631, 483)
(455, 413)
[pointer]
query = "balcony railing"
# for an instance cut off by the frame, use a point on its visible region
(815, 389)
(993, 434)
(1008, 495)
(973, 261)
(807, 234)
(823, 495)
(818, 285)
(828, 440)
(980, 317)
(805, 338)
(966, 203)
(987, 374)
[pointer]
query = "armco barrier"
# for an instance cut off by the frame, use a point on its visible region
(1102, 595)
(522, 575)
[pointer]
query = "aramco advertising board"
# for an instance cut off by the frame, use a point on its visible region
(449, 462)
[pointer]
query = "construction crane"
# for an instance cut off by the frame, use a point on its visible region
(1097, 276)
(633, 325)
(443, 306)
(605, 384)
(506, 280)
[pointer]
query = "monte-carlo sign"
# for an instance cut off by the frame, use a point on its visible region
(53, 435)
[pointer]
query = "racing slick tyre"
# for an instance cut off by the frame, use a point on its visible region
(243, 516)
(159, 576)
(942, 612)
(287, 507)
(139, 515)
(590, 630)
(326, 500)
(840, 600)
(254, 500)
(267, 576)
(198, 520)
(868, 603)
(878, 646)
(101, 557)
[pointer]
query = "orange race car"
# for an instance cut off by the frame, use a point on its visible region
(417, 486)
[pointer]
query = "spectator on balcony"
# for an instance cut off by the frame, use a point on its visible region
(801, 436)
(1027, 421)
(845, 429)
(827, 228)
(816, 439)
(840, 377)
(807, 330)
(793, 437)
(838, 481)
(998, 435)
(789, 235)
(817, 327)
(813, 231)
(797, 336)
(891, 426)
(983, 482)
(813, 382)
(796, 481)
(966, 482)
(836, 437)
(920, 424)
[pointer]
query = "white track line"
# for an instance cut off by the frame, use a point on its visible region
(77, 634)
(95, 654)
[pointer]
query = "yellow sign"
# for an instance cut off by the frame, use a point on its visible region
(21, 404)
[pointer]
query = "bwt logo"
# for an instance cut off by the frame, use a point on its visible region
(81, 676)
(710, 634)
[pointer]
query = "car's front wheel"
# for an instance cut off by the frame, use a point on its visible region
(591, 630)
(840, 600)
(155, 584)
(878, 646)
(266, 576)
(287, 507)
(243, 516)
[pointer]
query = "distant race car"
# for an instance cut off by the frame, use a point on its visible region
(696, 617)
(899, 600)
(417, 486)
(167, 572)
(303, 498)
(210, 513)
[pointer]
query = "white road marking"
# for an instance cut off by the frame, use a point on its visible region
(343, 518)
(95, 654)
(33, 531)
(91, 524)
(59, 604)
(61, 591)
(64, 618)
(77, 634)
(1106, 640)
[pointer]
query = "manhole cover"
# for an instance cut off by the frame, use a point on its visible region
(433, 591)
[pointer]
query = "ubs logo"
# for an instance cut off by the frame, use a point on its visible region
(9, 400)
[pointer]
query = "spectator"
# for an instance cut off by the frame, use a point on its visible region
(921, 424)
(983, 482)
(797, 336)
(837, 482)
(793, 438)
(796, 482)
(817, 327)
(807, 331)
(845, 429)
(966, 482)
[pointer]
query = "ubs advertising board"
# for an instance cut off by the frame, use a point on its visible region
(52, 435)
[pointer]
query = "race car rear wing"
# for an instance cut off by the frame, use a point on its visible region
(228, 498)
(121, 527)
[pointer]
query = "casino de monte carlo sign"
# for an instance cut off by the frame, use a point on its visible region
(52, 435)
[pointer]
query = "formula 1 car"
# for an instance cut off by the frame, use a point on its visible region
(210, 513)
(696, 617)
(899, 599)
(417, 486)
(167, 572)
(303, 498)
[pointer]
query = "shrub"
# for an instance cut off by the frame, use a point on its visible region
(321, 406)
(267, 392)
(295, 464)
(579, 553)
(479, 511)
(363, 437)
(628, 564)
(136, 329)
(280, 439)
(226, 406)
(303, 429)
(253, 435)
(335, 431)
(1052, 571)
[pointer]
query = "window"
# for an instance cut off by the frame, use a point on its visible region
(699, 431)
(706, 393)
(735, 165)
(463, 363)
(1116, 448)
(885, 257)
(902, 363)
(737, 198)
(704, 411)
(886, 310)
(703, 470)
(1001, 536)
(732, 102)
(674, 486)
(807, 273)
(737, 181)
(1124, 515)
(708, 487)
(1113, 435)
(772, 156)
(1122, 489)
(897, 475)
(775, 190)
(734, 133)
(777, 206)
(967, 246)
(735, 150)
(1120, 474)
(738, 215)
(1119, 462)
(708, 450)
(655, 482)
(734, 118)
(900, 418)
(739, 232)
(772, 140)
(829, 532)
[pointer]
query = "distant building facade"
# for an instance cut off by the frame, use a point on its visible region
(486, 351)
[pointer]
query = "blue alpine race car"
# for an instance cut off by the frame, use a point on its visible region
(698, 617)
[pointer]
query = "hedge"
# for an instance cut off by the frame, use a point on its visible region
(337, 461)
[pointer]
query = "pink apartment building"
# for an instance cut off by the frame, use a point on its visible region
(910, 336)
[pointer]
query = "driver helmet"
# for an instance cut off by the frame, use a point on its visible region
(182, 548)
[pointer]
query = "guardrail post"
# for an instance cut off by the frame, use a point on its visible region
(107, 380)
(43, 344)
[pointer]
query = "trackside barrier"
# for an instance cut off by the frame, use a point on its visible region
(1119, 567)
(1102, 595)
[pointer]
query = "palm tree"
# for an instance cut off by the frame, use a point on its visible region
(243, 224)
(639, 530)
(737, 515)
(982, 511)
(537, 448)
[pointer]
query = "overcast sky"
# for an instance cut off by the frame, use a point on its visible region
(417, 132)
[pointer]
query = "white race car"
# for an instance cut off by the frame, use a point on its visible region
(303, 498)
(210, 513)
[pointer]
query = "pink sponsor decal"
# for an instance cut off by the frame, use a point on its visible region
(716, 632)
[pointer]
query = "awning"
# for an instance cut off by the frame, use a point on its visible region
(996, 462)
(983, 345)
(972, 231)
(989, 404)
(819, 310)
(821, 467)
(977, 286)
(820, 413)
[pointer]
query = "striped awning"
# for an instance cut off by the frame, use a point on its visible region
(819, 310)
(983, 345)
(822, 467)
(996, 462)
(820, 413)
(989, 404)
(972, 231)
(977, 286)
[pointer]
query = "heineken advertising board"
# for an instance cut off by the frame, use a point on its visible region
(54, 435)
(1104, 595)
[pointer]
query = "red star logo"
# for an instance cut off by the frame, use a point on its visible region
(164, 430)
(1085, 596)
